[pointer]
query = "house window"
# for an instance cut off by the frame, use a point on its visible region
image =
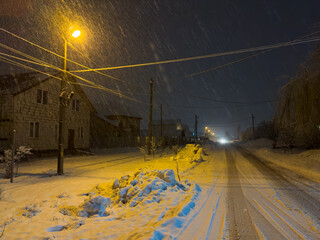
(45, 97)
(42, 97)
(80, 132)
(39, 96)
(34, 129)
(31, 129)
(75, 105)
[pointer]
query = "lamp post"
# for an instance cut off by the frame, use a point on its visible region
(62, 105)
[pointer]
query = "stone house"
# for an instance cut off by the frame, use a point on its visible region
(29, 104)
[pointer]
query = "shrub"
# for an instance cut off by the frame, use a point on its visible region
(21, 153)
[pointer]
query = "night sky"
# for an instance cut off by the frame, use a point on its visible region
(123, 32)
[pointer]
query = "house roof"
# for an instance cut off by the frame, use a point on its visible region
(112, 122)
(13, 84)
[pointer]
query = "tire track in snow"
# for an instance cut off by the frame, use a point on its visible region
(299, 196)
(284, 216)
(297, 232)
(240, 223)
(206, 204)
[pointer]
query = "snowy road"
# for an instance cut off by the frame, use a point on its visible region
(242, 197)
(251, 200)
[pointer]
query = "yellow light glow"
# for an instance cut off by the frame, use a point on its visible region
(76, 33)
(206, 128)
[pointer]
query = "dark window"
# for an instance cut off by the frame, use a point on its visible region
(82, 132)
(73, 104)
(78, 132)
(36, 134)
(39, 96)
(77, 105)
(31, 129)
(45, 97)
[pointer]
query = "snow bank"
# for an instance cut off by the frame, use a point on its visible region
(144, 187)
(191, 153)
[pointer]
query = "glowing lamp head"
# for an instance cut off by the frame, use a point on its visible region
(76, 33)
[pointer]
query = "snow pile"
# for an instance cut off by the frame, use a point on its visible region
(96, 205)
(191, 153)
(144, 187)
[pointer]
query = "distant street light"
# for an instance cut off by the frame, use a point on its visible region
(63, 105)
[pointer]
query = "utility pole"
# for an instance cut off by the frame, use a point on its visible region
(161, 123)
(150, 118)
(253, 117)
(62, 112)
(196, 126)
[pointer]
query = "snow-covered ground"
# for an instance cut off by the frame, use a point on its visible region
(218, 192)
(112, 196)
(303, 163)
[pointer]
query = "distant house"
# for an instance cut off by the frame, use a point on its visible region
(103, 132)
(127, 125)
(114, 130)
(29, 103)
(171, 129)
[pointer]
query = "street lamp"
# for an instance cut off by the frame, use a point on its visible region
(62, 104)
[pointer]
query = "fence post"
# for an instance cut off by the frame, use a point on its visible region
(13, 153)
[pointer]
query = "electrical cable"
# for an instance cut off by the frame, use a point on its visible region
(96, 86)
(43, 63)
(47, 50)
(266, 47)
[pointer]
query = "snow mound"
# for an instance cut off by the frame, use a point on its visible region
(96, 205)
(191, 153)
(145, 186)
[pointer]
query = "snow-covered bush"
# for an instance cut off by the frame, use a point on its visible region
(144, 151)
(20, 154)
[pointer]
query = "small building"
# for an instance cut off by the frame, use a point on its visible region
(103, 132)
(29, 104)
(128, 129)
(173, 131)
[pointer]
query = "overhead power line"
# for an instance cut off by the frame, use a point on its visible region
(49, 51)
(93, 85)
(266, 47)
